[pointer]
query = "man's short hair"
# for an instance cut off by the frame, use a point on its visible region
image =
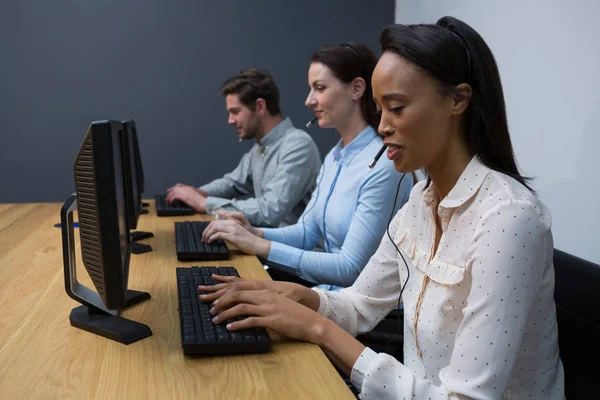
(253, 84)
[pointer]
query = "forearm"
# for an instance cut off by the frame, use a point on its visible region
(262, 248)
(319, 267)
(342, 349)
(219, 188)
(258, 211)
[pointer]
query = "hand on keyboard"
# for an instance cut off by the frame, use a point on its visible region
(232, 284)
(188, 195)
(236, 216)
(271, 310)
(233, 232)
(241, 219)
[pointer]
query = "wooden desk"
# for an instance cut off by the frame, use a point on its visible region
(42, 356)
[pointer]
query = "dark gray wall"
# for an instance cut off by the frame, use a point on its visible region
(67, 63)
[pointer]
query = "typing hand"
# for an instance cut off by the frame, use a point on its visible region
(234, 284)
(267, 309)
(236, 216)
(241, 219)
(178, 185)
(233, 232)
(187, 194)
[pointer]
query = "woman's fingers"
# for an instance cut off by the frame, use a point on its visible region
(213, 228)
(234, 297)
(210, 229)
(212, 288)
(246, 323)
(214, 296)
(222, 278)
(214, 292)
(239, 310)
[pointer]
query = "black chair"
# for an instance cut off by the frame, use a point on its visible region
(577, 296)
(388, 336)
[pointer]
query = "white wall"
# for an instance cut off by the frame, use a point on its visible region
(548, 53)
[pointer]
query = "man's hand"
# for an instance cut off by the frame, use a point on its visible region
(188, 195)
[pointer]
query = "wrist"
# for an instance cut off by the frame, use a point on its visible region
(306, 296)
(201, 204)
(320, 331)
(257, 232)
(263, 248)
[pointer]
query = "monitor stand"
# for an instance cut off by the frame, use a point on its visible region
(103, 323)
(92, 315)
(139, 235)
(140, 248)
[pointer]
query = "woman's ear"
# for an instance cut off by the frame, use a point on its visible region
(358, 88)
(461, 98)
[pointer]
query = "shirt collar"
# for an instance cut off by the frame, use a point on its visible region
(465, 188)
(346, 154)
(276, 133)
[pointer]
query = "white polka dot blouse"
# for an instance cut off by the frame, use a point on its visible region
(479, 313)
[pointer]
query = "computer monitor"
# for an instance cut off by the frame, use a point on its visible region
(139, 165)
(131, 184)
(137, 157)
(100, 201)
(133, 203)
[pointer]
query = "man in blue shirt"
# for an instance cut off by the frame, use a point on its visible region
(273, 181)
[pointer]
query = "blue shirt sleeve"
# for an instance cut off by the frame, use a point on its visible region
(368, 225)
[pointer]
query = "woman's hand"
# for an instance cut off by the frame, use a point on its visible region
(240, 218)
(268, 309)
(271, 305)
(235, 233)
(230, 284)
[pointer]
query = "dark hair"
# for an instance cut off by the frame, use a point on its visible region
(451, 52)
(350, 61)
(251, 85)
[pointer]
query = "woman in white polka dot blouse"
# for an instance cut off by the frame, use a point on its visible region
(479, 313)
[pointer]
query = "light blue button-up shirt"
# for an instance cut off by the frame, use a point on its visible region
(273, 181)
(349, 210)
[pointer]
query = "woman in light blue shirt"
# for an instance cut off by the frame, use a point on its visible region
(352, 204)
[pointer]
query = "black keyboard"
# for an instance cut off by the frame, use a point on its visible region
(164, 209)
(198, 333)
(190, 247)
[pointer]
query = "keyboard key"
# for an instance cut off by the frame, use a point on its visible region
(189, 339)
(236, 337)
(248, 337)
(188, 331)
